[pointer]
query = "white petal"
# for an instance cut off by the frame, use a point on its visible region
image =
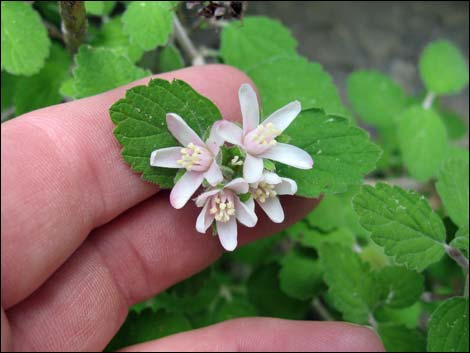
(228, 233)
(250, 203)
(252, 168)
(204, 220)
(249, 107)
(271, 178)
(290, 155)
(201, 199)
(283, 117)
(286, 187)
(214, 174)
(185, 188)
(272, 207)
(181, 131)
(166, 157)
(229, 132)
(238, 185)
(245, 214)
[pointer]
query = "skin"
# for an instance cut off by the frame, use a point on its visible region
(83, 237)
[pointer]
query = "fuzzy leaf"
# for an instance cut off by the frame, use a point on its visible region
(402, 287)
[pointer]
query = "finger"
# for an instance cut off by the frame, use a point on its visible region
(143, 252)
(63, 175)
(268, 335)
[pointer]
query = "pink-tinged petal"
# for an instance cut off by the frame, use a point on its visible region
(185, 188)
(201, 199)
(245, 214)
(214, 174)
(228, 234)
(283, 117)
(286, 187)
(229, 132)
(166, 157)
(290, 155)
(249, 107)
(238, 185)
(214, 135)
(181, 131)
(204, 220)
(271, 178)
(252, 168)
(272, 207)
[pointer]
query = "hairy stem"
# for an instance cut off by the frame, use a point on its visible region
(74, 23)
(186, 44)
(457, 256)
(427, 103)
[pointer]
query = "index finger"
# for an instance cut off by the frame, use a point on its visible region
(64, 176)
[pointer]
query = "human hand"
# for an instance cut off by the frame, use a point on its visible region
(83, 237)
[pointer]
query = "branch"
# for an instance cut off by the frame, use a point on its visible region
(74, 23)
(457, 256)
(186, 43)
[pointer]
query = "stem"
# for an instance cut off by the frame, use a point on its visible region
(74, 23)
(186, 43)
(53, 31)
(321, 310)
(372, 321)
(457, 256)
(427, 103)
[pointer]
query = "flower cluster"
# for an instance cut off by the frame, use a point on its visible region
(233, 165)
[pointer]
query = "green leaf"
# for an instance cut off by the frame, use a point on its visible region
(423, 142)
(170, 59)
(147, 326)
(246, 44)
(375, 97)
(148, 23)
(342, 153)
(25, 44)
(281, 80)
(112, 36)
(409, 317)
(264, 293)
(443, 68)
(311, 238)
(99, 8)
(351, 284)
(402, 287)
(452, 186)
(300, 276)
(461, 239)
(403, 223)
(235, 308)
(454, 123)
(42, 89)
(398, 338)
(257, 252)
(448, 327)
(141, 123)
(100, 69)
(67, 88)
(8, 90)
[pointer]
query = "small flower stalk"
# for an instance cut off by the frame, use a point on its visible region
(231, 190)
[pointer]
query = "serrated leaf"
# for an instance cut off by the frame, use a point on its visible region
(409, 317)
(148, 23)
(140, 120)
(461, 239)
(235, 308)
(25, 44)
(342, 153)
(247, 43)
(99, 8)
(283, 79)
(448, 327)
(351, 284)
(300, 276)
(42, 89)
(67, 88)
(403, 223)
(452, 186)
(375, 97)
(443, 68)
(402, 287)
(398, 338)
(8, 90)
(257, 252)
(312, 238)
(100, 69)
(147, 326)
(111, 35)
(423, 141)
(170, 59)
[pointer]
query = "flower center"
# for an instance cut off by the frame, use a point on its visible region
(222, 209)
(194, 158)
(263, 192)
(266, 134)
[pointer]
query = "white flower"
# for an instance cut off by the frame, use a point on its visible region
(266, 190)
(224, 206)
(197, 157)
(259, 140)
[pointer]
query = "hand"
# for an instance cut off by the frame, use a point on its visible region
(83, 237)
